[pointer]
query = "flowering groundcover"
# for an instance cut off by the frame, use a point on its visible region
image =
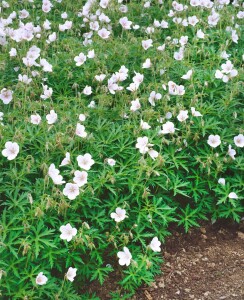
(118, 118)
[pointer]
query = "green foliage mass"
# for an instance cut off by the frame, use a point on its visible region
(179, 187)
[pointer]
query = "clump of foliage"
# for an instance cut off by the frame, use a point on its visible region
(118, 118)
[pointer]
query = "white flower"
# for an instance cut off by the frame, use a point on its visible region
(100, 77)
(64, 15)
(161, 48)
(47, 25)
(153, 153)
(51, 117)
(85, 161)
(138, 78)
(11, 150)
(200, 34)
(224, 55)
(133, 87)
(71, 190)
(135, 105)
(46, 66)
(195, 113)
(168, 127)
(221, 181)
(111, 162)
(183, 40)
(180, 90)
(54, 174)
(47, 92)
(1, 116)
(80, 130)
(193, 20)
(179, 55)
(91, 54)
(124, 257)
(112, 86)
(227, 71)
(147, 4)
(119, 215)
(175, 89)
(232, 195)
(104, 3)
(155, 245)
(35, 119)
(66, 160)
(234, 36)
(13, 52)
(92, 104)
(24, 78)
(218, 74)
(146, 44)
(168, 115)
(23, 14)
(51, 38)
(144, 125)
(82, 117)
(214, 140)
(6, 96)
(70, 275)
(125, 23)
(41, 279)
(67, 232)
(239, 140)
(231, 152)
(123, 8)
(80, 59)
(142, 144)
(227, 67)
(67, 25)
(154, 96)
(80, 178)
(183, 115)
(188, 75)
(104, 33)
(147, 64)
(87, 90)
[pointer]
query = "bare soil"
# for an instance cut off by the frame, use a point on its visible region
(207, 263)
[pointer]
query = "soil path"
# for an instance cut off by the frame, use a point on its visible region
(205, 264)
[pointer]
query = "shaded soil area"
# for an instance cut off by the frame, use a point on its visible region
(207, 263)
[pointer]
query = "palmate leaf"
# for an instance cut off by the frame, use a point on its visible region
(12, 238)
(74, 258)
(71, 294)
(188, 217)
(230, 211)
(178, 186)
(142, 235)
(54, 255)
(41, 238)
(101, 274)
(177, 159)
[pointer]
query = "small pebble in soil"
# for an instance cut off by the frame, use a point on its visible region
(203, 236)
(203, 230)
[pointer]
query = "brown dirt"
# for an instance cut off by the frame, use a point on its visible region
(205, 264)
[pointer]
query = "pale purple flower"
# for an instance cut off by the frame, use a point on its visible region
(67, 232)
(124, 257)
